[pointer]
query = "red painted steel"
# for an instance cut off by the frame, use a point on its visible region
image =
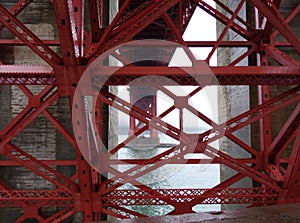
(145, 99)
(228, 75)
(277, 177)
(95, 13)
(16, 42)
(270, 11)
(22, 198)
(248, 75)
(221, 17)
(24, 34)
(66, 26)
(17, 9)
(225, 196)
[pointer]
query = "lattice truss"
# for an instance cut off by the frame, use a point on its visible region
(269, 41)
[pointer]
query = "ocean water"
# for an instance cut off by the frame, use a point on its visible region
(171, 176)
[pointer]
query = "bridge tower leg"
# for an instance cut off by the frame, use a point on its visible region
(144, 98)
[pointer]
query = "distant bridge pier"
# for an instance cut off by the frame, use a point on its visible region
(145, 98)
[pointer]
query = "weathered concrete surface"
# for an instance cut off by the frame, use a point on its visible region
(288, 213)
(236, 101)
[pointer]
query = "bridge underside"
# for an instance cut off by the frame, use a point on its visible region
(68, 66)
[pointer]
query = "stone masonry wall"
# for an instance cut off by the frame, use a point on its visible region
(40, 139)
(236, 101)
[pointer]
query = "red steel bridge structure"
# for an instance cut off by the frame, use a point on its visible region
(277, 178)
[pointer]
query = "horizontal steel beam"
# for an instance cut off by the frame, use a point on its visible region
(25, 69)
(222, 43)
(46, 162)
(17, 42)
(21, 198)
(55, 42)
(230, 44)
(224, 196)
(26, 75)
(25, 198)
(182, 71)
(248, 75)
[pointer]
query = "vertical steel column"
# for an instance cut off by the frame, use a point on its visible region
(263, 95)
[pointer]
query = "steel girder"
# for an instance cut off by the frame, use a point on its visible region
(87, 191)
(24, 34)
(45, 75)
